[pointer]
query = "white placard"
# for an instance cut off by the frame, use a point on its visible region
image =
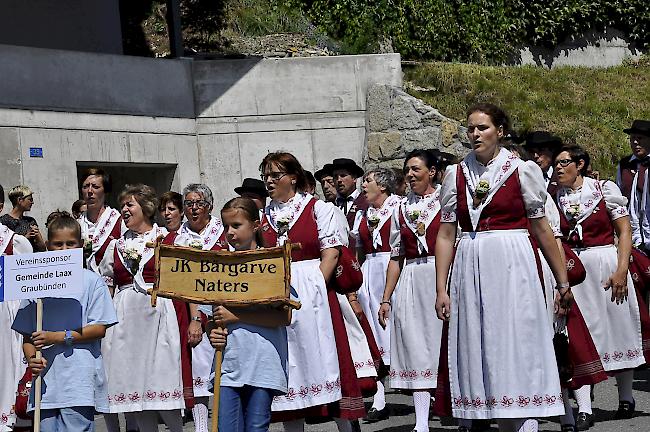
(43, 274)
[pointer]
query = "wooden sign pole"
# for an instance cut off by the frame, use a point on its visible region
(39, 380)
(216, 390)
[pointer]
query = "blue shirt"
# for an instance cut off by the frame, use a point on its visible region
(75, 374)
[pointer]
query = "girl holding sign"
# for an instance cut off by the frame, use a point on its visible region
(72, 369)
(254, 367)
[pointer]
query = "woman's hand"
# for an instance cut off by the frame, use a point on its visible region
(443, 306)
(563, 300)
(37, 365)
(356, 307)
(618, 282)
(384, 313)
(223, 317)
(218, 337)
(42, 339)
(194, 333)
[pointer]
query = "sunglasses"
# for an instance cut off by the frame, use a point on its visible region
(273, 176)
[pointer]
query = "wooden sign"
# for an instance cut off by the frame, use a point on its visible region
(237, 279)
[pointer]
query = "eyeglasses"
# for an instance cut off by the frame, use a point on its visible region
(192, 204)
(563, 162)
(273, 176)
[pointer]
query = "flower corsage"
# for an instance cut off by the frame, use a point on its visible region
(573, 211)
(283, 225)
(373, 221)
(196, 244)
(132, 255)
(482, 189)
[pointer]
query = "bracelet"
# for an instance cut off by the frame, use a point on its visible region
(562, 286)
(198, 318)
(386, 302)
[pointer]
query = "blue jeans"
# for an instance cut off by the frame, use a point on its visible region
(245, 409)
(73, 419)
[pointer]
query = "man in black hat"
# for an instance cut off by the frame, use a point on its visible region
(632, 179)
(542, 146)
(254, 189)
(326, 180)
(349, 199)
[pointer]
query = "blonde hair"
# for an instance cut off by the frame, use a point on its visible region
(18, 192)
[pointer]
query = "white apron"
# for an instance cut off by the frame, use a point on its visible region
(364, 365)
(12, 365)
(416, 331)
(370, 295)
(502, 363)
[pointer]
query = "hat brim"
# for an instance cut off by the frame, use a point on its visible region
(631, 131)
(355, 170)
(261, 192)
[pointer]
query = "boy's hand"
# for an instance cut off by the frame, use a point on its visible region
(42, 339)
(37, 365)
(218, 337)
(222, 316)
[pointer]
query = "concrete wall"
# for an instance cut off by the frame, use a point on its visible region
(592, 49)
(211, 120)
(80, 25)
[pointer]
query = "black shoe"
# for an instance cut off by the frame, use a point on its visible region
(481, 425)
(355, 426)
(584, 421)
(463, 429)
(568, 428)
(625, 410)
(375, 415)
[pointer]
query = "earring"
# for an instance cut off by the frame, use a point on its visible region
(293, 182)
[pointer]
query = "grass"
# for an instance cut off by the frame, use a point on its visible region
(589, 107)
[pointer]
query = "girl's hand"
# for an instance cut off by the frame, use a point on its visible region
(218, 337)
(223, 317)
(41, 339)
(384, 313)
(194, 333)
(618, 282)
(37, 365)
(443, 306)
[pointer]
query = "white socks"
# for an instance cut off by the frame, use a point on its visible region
(583, 398)
(624, 382)
(421, 400)
(344, 425)
(294, 426)
(567, 418)
(200, 414)
(379, 401)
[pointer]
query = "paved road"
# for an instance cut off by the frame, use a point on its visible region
(403, 417)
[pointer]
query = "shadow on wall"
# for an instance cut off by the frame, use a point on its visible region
(592, 49)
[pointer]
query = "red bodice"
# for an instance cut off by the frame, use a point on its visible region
(303, 231)
(366, 237)
(122, 276)
(597, 229)
(9, 250)
(409, 240)
(505, 211)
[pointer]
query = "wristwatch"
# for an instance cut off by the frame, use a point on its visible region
(68, 339)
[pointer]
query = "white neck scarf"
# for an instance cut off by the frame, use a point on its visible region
(204, 240)
(419, 212)
(580, 204)
(282, 216)
(377, 217)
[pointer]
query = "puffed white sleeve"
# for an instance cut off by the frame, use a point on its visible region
(552, 215)
(329, 226)
(615, 202)
(449, 195)
(533, 189)
(22, 245)
(105, 267)
(395, 236)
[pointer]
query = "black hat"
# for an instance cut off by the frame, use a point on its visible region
(254, 186)
(542, 139)
(641, 127)
(349, 165)
(324, 172)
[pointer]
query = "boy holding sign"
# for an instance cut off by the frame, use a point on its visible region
(74, 381)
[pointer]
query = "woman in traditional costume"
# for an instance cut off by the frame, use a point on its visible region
(591, 213)
(501, 360)
(415, 331)
(142, 353)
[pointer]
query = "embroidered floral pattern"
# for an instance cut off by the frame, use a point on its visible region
(147, 396)
(506, 401)
(309, 391)
(617, 356)
(412, 374)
